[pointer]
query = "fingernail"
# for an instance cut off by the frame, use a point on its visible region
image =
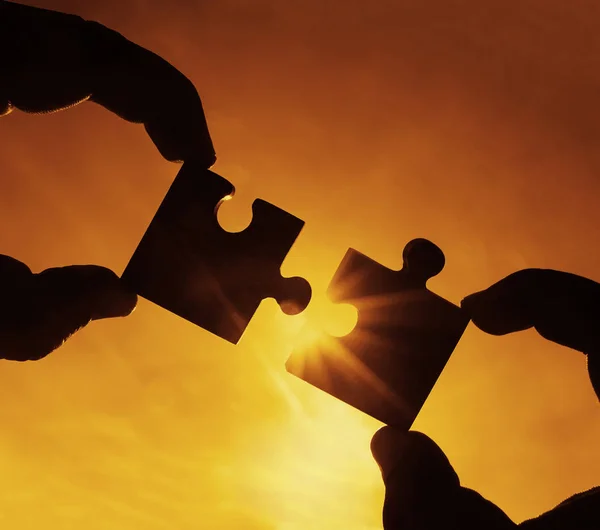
(126, 304)
(388, 447)
(472, 304)
(468, 301)
(113, 302)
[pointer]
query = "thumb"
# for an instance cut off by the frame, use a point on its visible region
(85, 292)
(423, 491)
(39, 312)
(414, 469)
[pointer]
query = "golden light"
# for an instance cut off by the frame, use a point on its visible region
(323, 321)
(374, 122)
(310, 468)
(316, 467)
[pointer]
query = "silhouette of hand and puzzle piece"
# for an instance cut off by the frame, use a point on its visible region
(405, 334)
(187, 264)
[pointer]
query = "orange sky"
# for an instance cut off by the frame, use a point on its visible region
(474, 124)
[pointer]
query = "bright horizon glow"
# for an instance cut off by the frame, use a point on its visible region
(473, 124)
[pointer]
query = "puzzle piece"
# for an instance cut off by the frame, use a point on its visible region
(405, 334)
(187, 264)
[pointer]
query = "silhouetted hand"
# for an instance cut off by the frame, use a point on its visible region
(51, 61)
(562, 307)
(423, 492)
(38, 312)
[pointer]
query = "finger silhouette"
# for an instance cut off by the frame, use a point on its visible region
(562, 307)
(423, 491)
(54, 61)
(38, 312)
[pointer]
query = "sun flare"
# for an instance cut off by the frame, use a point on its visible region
(324, 321)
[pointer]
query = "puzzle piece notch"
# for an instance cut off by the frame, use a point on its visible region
(187, 264)
(405, 334)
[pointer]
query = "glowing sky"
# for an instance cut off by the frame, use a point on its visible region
(474, 124)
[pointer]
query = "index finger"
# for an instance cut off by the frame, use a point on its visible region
(562, 307)
(54, 60)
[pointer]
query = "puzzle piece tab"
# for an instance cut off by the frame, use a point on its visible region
(405, 334)
(187, 264)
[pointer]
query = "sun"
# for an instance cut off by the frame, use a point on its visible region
(324, 321)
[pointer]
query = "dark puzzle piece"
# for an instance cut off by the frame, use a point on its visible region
(405, 334)
(187, 264)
